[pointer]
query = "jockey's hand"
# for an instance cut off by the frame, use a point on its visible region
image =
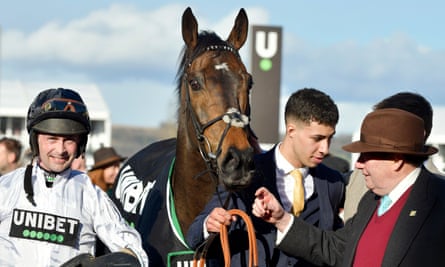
(83, 259)
(216, 218)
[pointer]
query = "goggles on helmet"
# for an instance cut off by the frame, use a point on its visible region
(64, 104)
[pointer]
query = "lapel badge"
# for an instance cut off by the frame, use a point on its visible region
(412, 213)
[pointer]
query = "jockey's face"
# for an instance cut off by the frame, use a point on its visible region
(56, 152)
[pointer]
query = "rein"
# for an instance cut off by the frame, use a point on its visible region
(200, 255)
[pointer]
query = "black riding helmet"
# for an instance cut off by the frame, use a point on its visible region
(61, 112)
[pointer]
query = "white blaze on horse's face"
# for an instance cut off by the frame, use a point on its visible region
(222, 66)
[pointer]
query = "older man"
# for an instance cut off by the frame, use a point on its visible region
(408, 230)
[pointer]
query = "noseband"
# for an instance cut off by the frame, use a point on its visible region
(233, 118)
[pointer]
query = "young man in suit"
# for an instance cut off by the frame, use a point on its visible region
(311, 117)
(410, 232)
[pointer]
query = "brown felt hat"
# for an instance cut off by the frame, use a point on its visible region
(394, 131)
(106, 156)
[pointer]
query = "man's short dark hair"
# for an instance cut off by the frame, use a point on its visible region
(309, 104)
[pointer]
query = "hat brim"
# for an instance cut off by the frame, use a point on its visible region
(60, 126)
(107, 162)
(361, 147)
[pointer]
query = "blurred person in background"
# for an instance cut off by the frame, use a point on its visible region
(10, 154)
(106, 166)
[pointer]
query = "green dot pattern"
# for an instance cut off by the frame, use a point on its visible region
(45, 236)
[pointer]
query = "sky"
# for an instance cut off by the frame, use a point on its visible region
(358, 52)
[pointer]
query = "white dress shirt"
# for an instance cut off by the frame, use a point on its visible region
(285, 182)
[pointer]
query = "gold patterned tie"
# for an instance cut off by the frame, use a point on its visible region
(298, 203)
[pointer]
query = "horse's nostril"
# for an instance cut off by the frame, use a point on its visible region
(238, 160)
(232, 160)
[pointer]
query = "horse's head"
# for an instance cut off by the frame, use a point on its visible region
(214, 95)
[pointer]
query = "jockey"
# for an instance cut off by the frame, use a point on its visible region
(51, 214)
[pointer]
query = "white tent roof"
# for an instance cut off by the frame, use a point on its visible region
(16, 96)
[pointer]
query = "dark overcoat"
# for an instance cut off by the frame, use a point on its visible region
(418, 237)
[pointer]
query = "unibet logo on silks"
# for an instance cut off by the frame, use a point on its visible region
(45, 227)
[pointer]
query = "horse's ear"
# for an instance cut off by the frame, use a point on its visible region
(189, 28)
(238, 35)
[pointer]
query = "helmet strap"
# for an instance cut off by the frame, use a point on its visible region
(28, 185)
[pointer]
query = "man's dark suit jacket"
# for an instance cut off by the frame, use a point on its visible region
(330, 189)
(418, 238)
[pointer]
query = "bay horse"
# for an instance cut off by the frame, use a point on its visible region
(164, 186)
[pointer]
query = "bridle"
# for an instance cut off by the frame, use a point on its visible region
(233, 118)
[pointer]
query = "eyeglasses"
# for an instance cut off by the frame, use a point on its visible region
(64, 104)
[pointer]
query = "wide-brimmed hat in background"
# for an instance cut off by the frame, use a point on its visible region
(106, 156)
(392, 130)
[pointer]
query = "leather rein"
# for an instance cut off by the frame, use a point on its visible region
(201, 252)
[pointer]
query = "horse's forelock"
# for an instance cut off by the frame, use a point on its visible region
(205, 39)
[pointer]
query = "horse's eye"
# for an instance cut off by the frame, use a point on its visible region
(195, 85)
